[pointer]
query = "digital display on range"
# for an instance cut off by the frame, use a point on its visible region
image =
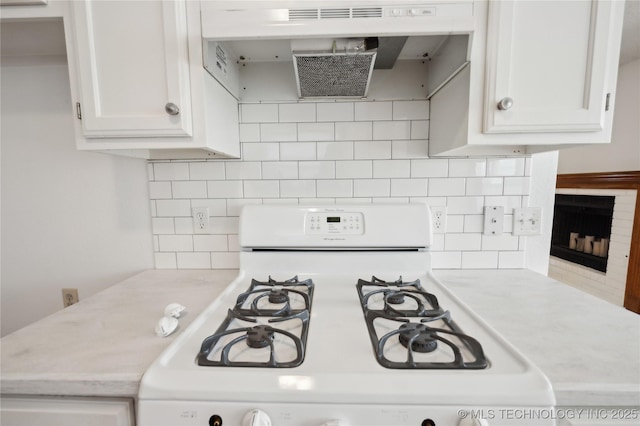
(333, 219)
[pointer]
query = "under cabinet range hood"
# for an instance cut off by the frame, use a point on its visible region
(265, 50)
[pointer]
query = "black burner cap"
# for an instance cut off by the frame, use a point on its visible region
(278, 296)
(394, 297)
(259, 336)
(424, 338)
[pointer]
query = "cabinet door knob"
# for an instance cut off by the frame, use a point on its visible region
(172, 109)
(505, 104)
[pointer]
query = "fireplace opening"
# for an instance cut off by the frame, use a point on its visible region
(582, 229)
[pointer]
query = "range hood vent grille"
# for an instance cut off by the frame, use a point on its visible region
(333, 74)
(335, 13)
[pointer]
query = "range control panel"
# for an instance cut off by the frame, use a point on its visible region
(334, 223)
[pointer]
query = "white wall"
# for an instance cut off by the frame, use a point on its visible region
(623, 153)
(69, 218)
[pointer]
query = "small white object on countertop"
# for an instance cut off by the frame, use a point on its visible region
(166, 326)
(173, 310)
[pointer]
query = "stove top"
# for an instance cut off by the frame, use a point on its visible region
(362, 334)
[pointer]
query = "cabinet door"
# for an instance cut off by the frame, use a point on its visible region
(550, 59)
(133, 68)
(46, 411)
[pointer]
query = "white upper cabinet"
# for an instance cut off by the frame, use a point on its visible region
(547, 66)
(133, 68)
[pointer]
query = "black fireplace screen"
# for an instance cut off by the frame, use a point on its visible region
(582, 229)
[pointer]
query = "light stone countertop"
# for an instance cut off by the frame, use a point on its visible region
(102, 345)
(589, 348)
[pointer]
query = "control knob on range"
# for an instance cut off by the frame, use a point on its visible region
(256, 418)
(469, 421)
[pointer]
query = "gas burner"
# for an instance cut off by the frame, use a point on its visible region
(291, 282)
(278, 296)
(260, 336)
(421, 338)
(394, 297)
(270, 337)
(438, 345)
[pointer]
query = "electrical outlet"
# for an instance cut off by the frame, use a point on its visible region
(527, 221)
(439, 219)
(69, 296)
(493, 220)
(200, 220)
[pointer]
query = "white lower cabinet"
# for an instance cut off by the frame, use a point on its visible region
(47, 411)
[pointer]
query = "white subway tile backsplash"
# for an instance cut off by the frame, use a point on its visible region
(505, 166)
(160, 190)
(372, 111)
(326, 153)
(354, 131)
(446, 186)
(467, 167)
(480, 260)
(410, 110)
(171, 171)
(334, 188)
(391, 169)
(316, 132)
(175, 242)
(194, 260)
(298, 151)
(249, 132)
(516, 186)
(280, 170)
(334, 150)
(210, 243)
(409, 149)
(371, 188)
(354, 169)
(278, 132)
(420, 129)
(243, 170)
(484, 186)
(261, 189)
(394, 130)
(234, 206)
(206, 170)
(162, 225)
(225, 189)
(298, 188)
(165, 260)
(230, 260)
(408, 187)
(258, 113)
(335, 111)
(260, 151)
(189, 189)
(317, 169)
(369, 150)
(429, 168)
(171, 208)
(216, 206)
(298, 112)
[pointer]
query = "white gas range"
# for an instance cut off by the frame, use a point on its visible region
(336, 319)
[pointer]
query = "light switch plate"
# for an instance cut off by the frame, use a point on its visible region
(493, 220)
(527, 221)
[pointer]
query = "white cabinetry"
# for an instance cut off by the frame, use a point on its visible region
(45, 411)
(550, 60)
(552, 64)
(137, 75)
(133, 68)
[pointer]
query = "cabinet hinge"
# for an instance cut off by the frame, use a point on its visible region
(78, 111)
(606, 102)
